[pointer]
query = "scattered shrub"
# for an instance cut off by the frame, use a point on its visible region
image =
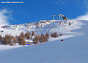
(21, 40)
(33, 33)
(7, 39)
(43, 38)
(0, 38)
(38, 38)
(54, 35)
(47, 35)
(14, 40)
(35, 41)
(22, 34)
(11, 44)
(11, 40)
(27, 35)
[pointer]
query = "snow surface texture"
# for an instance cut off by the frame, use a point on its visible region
(61, 26)
(71, 50)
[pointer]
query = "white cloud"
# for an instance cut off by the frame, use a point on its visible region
(82, 17)
(3, 17)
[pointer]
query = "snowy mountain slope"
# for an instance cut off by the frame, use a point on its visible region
(51, 26)
(59, 26)
(71, 50)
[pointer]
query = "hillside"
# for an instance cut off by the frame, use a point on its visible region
(71, 50)
(65, 27)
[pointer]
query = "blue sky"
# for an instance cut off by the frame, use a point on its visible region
(35, 10)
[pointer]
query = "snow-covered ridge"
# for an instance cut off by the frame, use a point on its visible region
(64, 27)
(43, 25)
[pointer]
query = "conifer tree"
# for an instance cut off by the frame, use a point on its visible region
(27, 35)
(47, 35)
(33, 33)
(21, 40)
(0, 38)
